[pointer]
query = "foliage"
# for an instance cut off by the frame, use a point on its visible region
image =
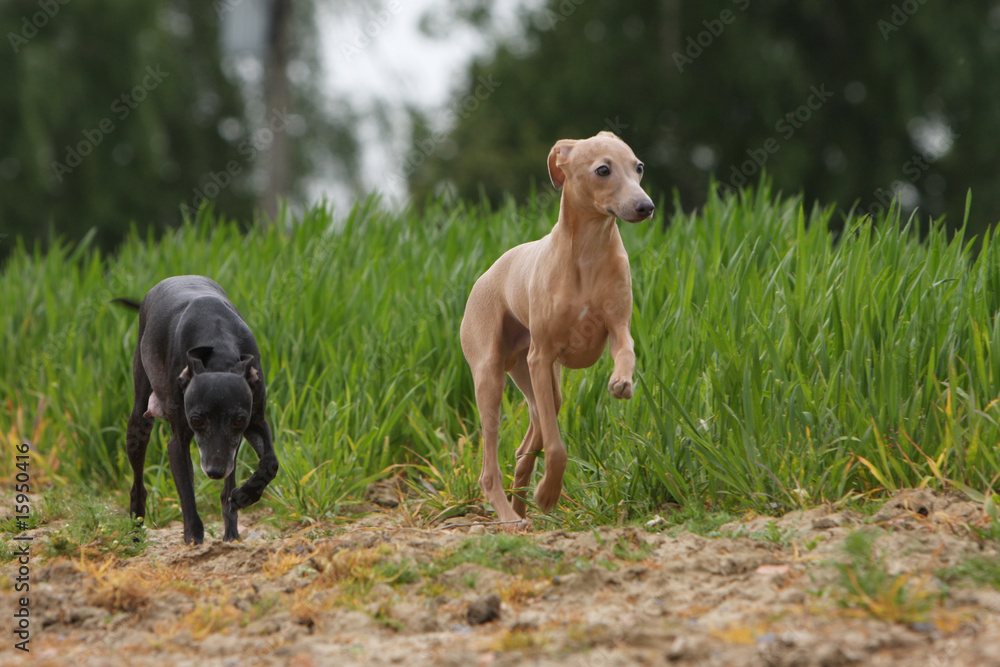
(117, 113)
(110, 113)
(778, 362)
(729, 86)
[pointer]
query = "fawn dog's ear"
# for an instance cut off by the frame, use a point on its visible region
(557, 158)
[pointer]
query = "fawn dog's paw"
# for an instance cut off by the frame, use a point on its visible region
(621, 387)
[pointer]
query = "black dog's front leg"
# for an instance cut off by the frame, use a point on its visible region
(258, 434)
(229, 515)
(179, 450)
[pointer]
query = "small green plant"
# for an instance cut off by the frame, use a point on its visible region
(774, 534)
(383, 616)
(396, 572)
(631, 549)
(512, 554)
(980, 570)
(96, 528)
(809, 545)
(867, 587)
(991, 532)
(698, 520)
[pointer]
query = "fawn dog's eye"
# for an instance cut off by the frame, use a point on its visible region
(639, 168)
(603, 170)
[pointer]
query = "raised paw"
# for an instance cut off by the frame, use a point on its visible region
(240, 499)
(547, 495)
(621, 387)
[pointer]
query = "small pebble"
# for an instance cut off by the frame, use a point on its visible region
(484, 610)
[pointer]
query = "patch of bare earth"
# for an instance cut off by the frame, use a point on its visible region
(380, 593)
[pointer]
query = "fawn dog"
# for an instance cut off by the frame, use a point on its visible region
(556, 302)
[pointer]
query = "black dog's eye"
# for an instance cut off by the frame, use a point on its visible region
(240, 421)
(638, 168)
(197, 421)
(603, 171)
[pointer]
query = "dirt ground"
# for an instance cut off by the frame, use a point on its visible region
(378, 592)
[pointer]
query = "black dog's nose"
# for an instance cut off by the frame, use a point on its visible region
(215, 473)
(645, 208)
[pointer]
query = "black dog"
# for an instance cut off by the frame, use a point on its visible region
(197, 366)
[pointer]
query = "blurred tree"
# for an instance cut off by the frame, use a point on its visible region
(109, 113)
(113, 112)
(297, 131)
(846, 102)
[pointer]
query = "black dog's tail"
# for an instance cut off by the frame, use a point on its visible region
(128, 303)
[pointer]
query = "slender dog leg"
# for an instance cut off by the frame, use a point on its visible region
(618, 316)
(490, 379)
(137, 437)
(229, 515)
(622, 350)
(528, 452)
(542, 371)
(258, 434)
(532, 443)
(179, 451)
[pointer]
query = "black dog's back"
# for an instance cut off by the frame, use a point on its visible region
(190, 312)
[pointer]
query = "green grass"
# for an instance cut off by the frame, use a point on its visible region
(867, 587)
(512, 554)
(95, 528)
(978, 570)
(779, 362)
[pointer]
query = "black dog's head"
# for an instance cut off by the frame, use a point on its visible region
(218, 407)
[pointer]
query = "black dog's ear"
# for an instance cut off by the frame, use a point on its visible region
(196, 365)
(246, 368)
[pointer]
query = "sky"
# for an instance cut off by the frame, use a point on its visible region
(375, 55)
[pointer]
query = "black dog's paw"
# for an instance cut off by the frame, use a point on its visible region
(240, 499)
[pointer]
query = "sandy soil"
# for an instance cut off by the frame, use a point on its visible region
(378, 592)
